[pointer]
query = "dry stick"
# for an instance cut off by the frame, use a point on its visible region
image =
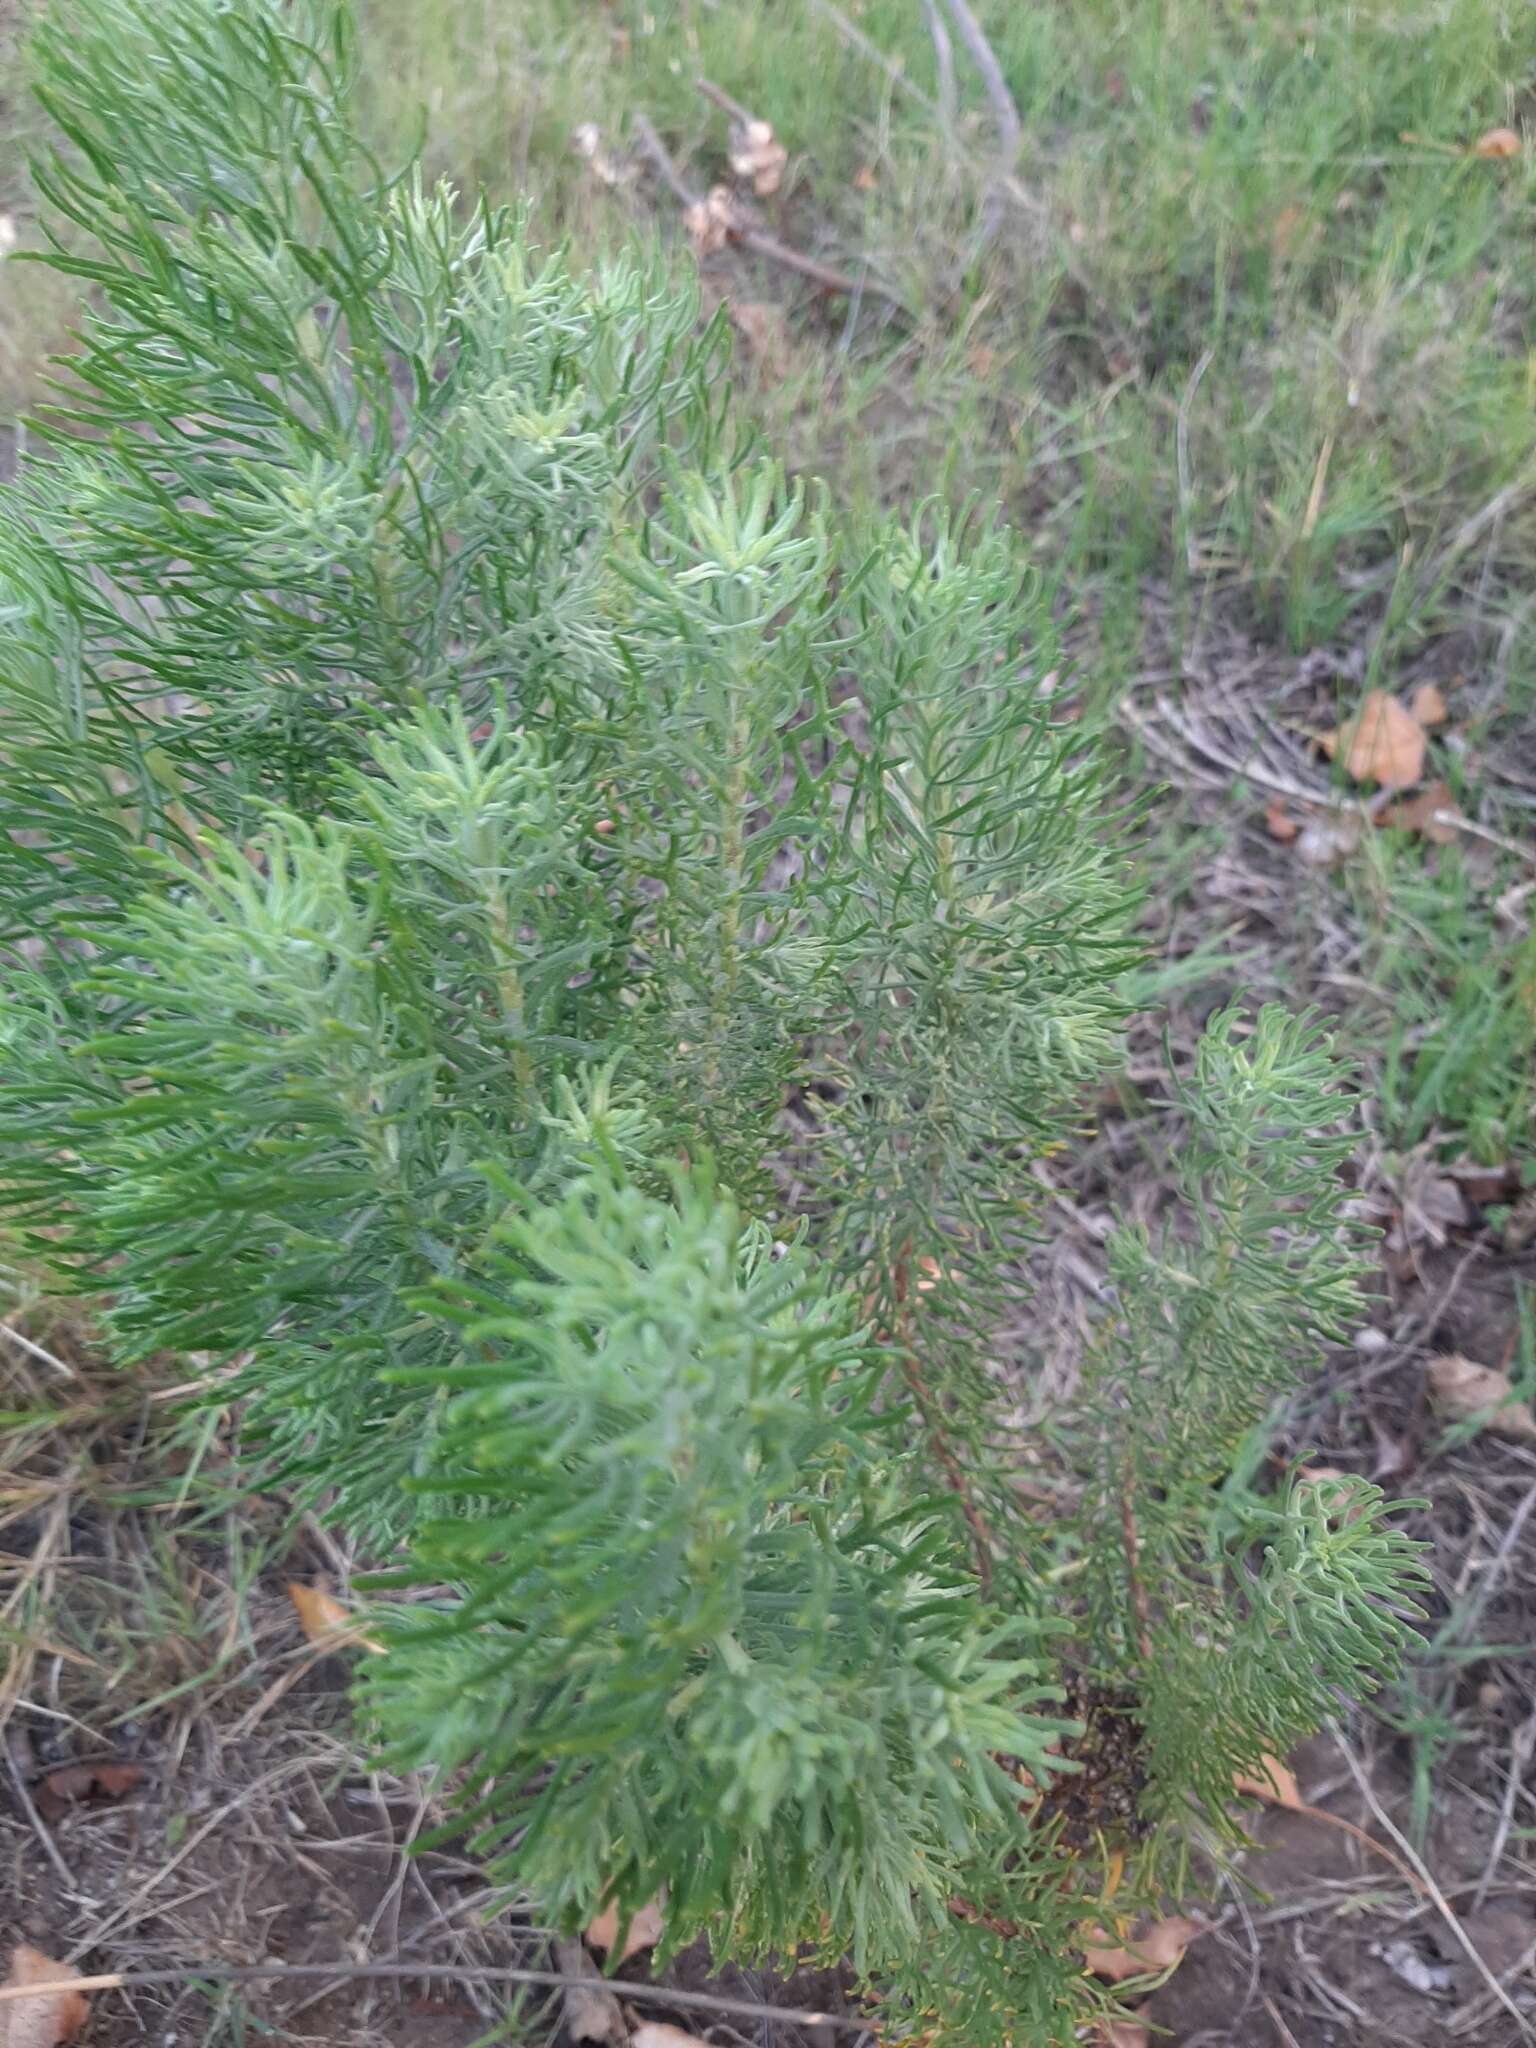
(861, 42)
(1432, 1890)
(943, 1450)
(944, 61)
(1519, 1757)
(35, 1350)
(1014, 187)
(266, 1973)
(35, 1821)
(1010, 129)
(739, 229)
(1181, 457)
(724, 102)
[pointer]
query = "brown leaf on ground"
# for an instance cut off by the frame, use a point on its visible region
(1160, 1948)
(1482, 1184)
(1273, 1782)
(644, 1929)
(710, 221)
(591, 2011)
(1430, 1205)
(1430, 813)
(1124, 2033)
(325, 1621)
(1397, 1452)
(51, 2017)
(758, 157)
(75, 1784)
(1279, 823)
(1382, 743)
(1464, 1391)
(1428, 705)
(657, 2034)
(1497, 142)
(587, 141)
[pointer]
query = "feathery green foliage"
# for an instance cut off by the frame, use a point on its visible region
(459, 799)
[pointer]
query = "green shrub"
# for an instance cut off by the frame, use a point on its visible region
(556, 967)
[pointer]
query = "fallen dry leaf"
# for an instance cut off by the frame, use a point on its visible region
(587, 141)
(74, 1784)
(1430, 1980)
(1273, 1782)
(1160, 1948)
(644, 1929)
(591, 2011)
(1464, 1391)
(711, 220)
(1279, 823)
(324, 1620)
(1396, 1453)
(1430, 813)
(758, 156)
(1428, 706)
(1382, 743)
(1497, 142)
(657, 2034)
(1484, 1184)
(1430, 1205)
(51, 2017)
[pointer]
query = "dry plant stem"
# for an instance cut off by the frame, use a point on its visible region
(35, 1821)
(938, 1439)
(1287, 2037)
(724, 102)
(272, 1973)
(768, 246)
(944, 60)
(1519, 1756)
(1182, 463)
(856, 38)
(1431, 1889)
(1008, 184)
(1010, 129)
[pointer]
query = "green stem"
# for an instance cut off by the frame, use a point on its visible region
(509, 987)
(732, 841)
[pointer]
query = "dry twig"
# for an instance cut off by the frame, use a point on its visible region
(339, 1972)
(1431, 1889)
(944, 60)
(739, 228)
(1005, 115)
